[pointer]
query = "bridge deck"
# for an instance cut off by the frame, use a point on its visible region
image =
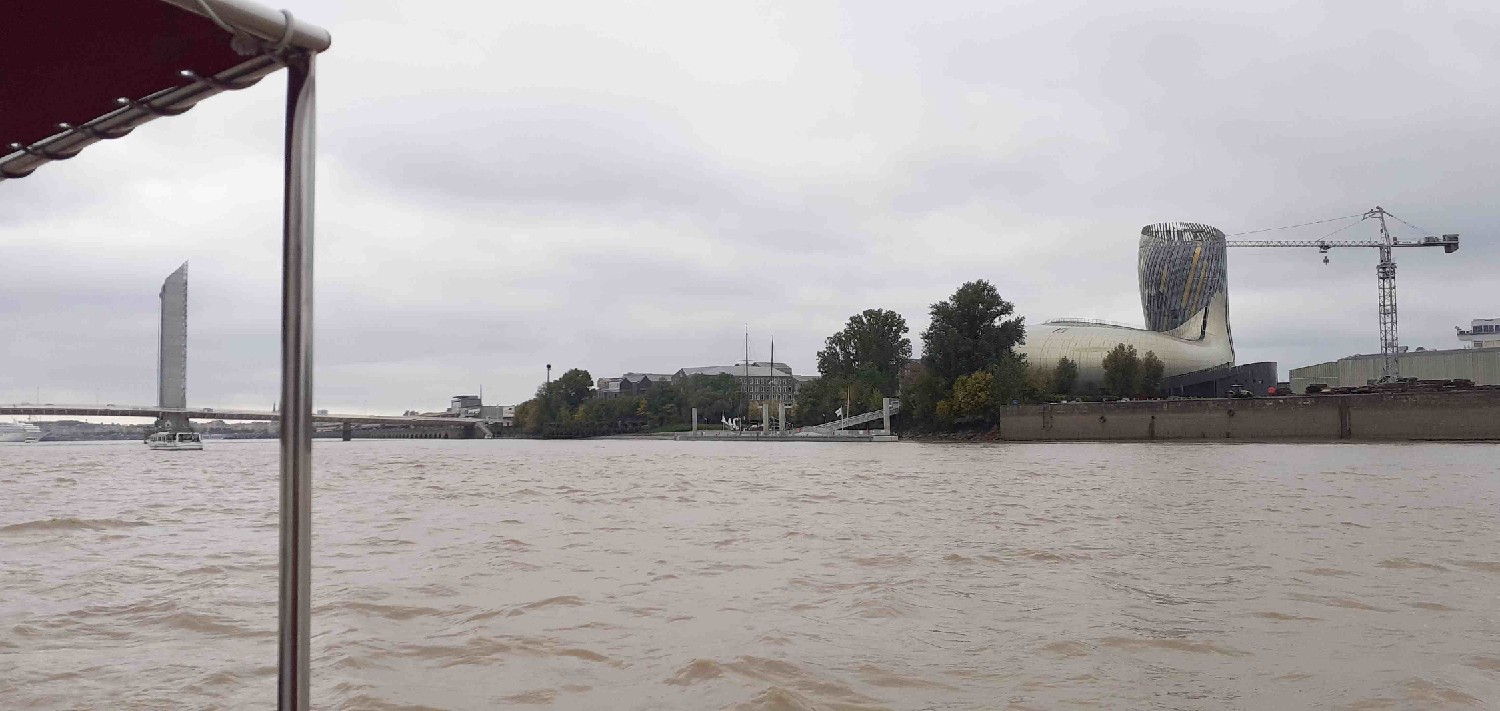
(215, 414)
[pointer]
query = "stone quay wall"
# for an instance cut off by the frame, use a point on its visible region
(1456, 415)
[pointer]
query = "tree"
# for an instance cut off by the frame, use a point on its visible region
(716, 397)
(1011, 380)
(1122, 369)
(574, 388)
(615, 410)
(1064, 376)
(872, 346)
(819, 401)
(529, 416)
(561, 400)
(921, 391)
(972, 396)
(1040, 379)
(1151, 374)
(969, 331)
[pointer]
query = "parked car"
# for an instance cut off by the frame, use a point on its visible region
(1237, 391)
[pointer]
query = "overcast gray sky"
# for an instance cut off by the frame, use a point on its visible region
(623, 186)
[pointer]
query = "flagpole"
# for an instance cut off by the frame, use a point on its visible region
(747, 374)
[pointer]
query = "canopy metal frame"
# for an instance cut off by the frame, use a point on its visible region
(283, 42)
(295, 597)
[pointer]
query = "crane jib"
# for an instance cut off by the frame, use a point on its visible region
(1385, 271)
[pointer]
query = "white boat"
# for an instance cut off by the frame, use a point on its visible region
(175, 440)
(19, 432)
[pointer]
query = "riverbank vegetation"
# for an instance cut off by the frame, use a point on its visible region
(571, 407)
(858, 366)
(968, 371)
(969, 367)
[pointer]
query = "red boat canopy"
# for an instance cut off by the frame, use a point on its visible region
(86, 70)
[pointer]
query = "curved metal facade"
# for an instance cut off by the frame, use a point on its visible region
(1181, 267)
(1185, 297)
(1201, 343)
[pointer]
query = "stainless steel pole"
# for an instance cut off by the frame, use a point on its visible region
(296, 387)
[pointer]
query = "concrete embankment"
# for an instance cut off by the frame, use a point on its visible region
(1459, 415)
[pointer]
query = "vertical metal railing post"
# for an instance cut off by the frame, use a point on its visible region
(296, 388)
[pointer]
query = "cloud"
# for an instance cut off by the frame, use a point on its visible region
(623, 187)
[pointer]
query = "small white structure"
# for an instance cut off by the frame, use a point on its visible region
(1482, 333)
(19, 432)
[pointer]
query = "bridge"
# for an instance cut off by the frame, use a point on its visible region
(471, 428)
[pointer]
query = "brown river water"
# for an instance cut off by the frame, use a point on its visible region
(636, 574)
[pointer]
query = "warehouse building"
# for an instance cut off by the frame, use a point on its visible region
(1479, 363)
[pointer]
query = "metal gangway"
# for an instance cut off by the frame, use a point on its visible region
(890, 406)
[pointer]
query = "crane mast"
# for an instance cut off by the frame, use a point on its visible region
(1385, 272)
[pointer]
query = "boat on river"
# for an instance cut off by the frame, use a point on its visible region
(175, 441)
(19, 432)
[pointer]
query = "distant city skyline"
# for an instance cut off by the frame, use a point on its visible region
(599, 187)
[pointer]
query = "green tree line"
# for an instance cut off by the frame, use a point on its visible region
(968, 371)
(571, 406)
(969, 367)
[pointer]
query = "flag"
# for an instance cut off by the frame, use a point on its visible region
(839, 412)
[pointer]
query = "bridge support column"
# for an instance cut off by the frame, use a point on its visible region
(695, 419)
(885, 406)
(765, 417)
(781, 416)
(348, 431)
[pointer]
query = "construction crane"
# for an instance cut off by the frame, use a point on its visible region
(1385, 272)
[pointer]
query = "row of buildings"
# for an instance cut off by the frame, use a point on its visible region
(762, 382)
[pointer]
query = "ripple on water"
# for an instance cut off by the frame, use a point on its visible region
(791, 686)
(368, 702)
(1485, 663)
(1430, 694)
(485, 650)
(1134, 644)
(1282, 616)
(535, 697)
(1067, 648)
(698, 670)
(1408, 564)
(58, 525)
(1484, 566)
(885, 678)
(211, 624)
(386, 611)
(775, 698)
(1046, 556)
